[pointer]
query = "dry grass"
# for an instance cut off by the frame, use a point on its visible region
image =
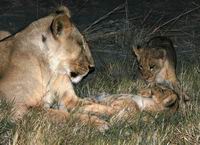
(111, 41)
(145, 128)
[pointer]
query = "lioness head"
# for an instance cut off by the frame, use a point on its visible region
(68, 50)
(150, 61)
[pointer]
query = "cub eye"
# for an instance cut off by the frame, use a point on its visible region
(152, 67)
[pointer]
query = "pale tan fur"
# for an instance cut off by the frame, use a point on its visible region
(157, 63)
(39, 64)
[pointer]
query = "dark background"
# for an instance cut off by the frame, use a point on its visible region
(112, 37)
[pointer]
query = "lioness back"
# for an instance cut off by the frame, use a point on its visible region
(5, 51)
(4, 34)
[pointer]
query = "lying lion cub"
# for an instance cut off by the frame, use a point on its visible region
(40, 63)
(154, 99)
(157, 63)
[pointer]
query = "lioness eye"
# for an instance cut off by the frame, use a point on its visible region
(152, 66)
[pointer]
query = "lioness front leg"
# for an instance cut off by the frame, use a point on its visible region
(69, 100)
(56, 92)
(63, 88)
(60, 89)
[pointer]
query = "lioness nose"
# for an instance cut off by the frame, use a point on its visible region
(91, 68)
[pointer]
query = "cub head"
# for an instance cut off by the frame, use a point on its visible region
(150, 61)
(165, 97)
(67, 48)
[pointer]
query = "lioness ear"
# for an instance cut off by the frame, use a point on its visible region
(63, 10)
(60, 25)
(137, 51)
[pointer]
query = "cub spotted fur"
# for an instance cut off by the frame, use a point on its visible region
(40, 63)
(157, 63)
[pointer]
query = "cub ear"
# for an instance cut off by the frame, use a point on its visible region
(161, 54)
(137, 51)
(61, 25)
(63, 10)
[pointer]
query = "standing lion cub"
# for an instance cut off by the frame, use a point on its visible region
(157, 63)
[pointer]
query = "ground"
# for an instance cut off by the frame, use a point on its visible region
(112, 28)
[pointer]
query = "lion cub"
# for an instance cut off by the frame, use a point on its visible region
(157, 63)
(154, 99)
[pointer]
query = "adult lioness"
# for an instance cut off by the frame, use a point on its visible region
(40, 63)
(157, 63)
